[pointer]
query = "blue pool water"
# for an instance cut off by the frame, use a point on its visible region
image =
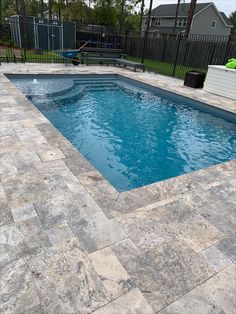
(134, 136)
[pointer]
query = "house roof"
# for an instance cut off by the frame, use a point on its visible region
(170, 9)
(226, 19)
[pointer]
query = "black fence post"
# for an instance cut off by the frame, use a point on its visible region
(177, 54)
(227, 49)
(164, 50)
(144, 45)
(126, 38)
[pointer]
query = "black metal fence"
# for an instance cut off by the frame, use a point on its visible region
(176, 54)
(168, 54)
(99, 38)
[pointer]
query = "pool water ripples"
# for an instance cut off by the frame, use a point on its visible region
(133, 136)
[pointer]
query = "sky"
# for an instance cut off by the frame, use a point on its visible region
(227, 6)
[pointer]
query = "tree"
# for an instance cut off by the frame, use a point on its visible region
(232, 19)
(141, 14)
(190, 15)
(50, 8)
(0, 11)
(105, 12)
(17, 7)
(41, 8)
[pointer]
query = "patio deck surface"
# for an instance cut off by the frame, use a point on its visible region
(70, 243)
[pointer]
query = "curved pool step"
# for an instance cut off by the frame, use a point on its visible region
(59, 101)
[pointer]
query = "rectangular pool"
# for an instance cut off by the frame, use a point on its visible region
(131, 132)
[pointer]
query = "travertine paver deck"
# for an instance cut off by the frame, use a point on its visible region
(70, 243)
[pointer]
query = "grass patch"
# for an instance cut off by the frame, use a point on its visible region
(166, 68)
(33, 56)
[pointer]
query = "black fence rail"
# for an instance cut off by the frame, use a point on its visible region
(176, 54)
(13, 54)
(168, 54)
(98, 38)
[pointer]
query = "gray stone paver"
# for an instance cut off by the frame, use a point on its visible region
(165, 273)
(216, 295)
(114, 277)
(23, 213)
(132, 302)
(18, 293)
(70, 243)
(66, 281)
(228, 247)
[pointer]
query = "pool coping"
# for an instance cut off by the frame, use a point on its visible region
(115, 203)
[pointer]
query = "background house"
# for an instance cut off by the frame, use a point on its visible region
(207, 19)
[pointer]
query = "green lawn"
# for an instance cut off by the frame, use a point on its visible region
(31, 56)
(152, 65)
(166, 68)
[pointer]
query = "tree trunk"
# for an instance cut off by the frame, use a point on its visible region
(121, 26)
(41, 8)
(176, 16)
(24, 32)
(50, 8)
(147, 30)
(17, 7)
(141, 15)
(190, 15)
(0, 11)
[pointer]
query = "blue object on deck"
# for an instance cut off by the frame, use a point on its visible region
(70, 54)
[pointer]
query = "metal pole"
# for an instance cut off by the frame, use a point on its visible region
(227, 48)
(147, 30)
(177, 54)
(23, 13)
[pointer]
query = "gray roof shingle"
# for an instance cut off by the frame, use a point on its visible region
(226, 19)
(170, 9)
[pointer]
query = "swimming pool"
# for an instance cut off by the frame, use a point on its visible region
(134, 134)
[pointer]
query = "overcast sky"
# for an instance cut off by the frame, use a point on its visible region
(226, 6)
